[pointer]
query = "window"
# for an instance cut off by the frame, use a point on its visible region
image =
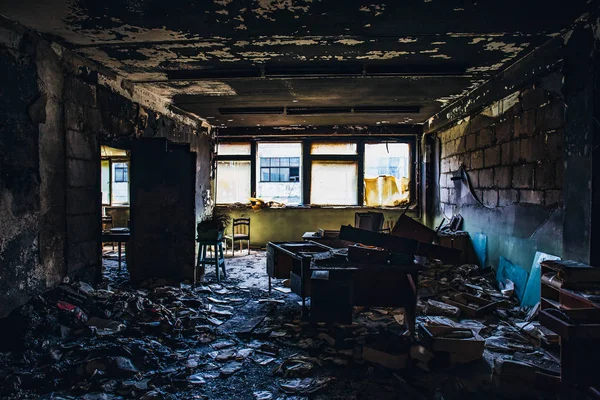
(334, 183)
(333, 148)
(233, 182)
(279, 172)
(120, 185)
(334, 174)
(114, 176)
(319, 172)
(121, 172)
(386, 174)
(234, 171)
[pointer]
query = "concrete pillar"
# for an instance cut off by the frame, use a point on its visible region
(581, 233)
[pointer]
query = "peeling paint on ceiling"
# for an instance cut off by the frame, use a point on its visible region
(430, 53)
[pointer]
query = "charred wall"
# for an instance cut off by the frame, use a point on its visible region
(55, 111)
(31, 168)
(511, 180)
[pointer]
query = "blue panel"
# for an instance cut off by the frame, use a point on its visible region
(514, 272)
(532, 291)
(480, 245)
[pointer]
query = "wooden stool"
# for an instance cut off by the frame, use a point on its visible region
(218, 259)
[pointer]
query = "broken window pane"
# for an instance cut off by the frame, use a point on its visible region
(333, 148)
(233, 182)
(279, 174)
(334, 182)
(238, 149)
(387, 174)
(120, 185)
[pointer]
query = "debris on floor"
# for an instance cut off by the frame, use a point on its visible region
(235, 340)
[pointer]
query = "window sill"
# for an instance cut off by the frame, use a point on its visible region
(412, 207)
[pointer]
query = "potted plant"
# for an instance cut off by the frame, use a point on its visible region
(213, 228)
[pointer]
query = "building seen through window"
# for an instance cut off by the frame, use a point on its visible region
(279, 172)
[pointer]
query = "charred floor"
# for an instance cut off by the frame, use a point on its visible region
(278, 199)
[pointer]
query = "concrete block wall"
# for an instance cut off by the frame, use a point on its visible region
(54, 113)
(513, 154)
(514, 158)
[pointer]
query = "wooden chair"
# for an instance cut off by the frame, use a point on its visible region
(240, 230)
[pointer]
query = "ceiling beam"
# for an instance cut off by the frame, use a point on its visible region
(295, 132)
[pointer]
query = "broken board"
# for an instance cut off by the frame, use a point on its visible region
(242, 323)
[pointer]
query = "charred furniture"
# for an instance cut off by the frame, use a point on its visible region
(571, 308)
(291, 260)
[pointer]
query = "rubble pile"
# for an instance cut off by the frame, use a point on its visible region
(230, 341)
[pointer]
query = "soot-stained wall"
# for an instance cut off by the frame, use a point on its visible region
(55, 111)
(32, 233)
(512, 154)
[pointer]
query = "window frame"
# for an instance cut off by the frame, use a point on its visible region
(238, 157)
(125, 173)
(111, 161)
(307, 158)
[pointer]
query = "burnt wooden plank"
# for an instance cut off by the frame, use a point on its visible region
(397, 244)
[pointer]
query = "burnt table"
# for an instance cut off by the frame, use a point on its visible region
(118, 235)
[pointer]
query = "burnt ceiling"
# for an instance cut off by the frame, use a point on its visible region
(248, 63)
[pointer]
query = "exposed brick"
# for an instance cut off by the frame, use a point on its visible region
(445, 167)
(444, 195)
(504, 130)
(92, 121)
(477, 159)
(81, 146)
(490, 198)
(515, 151)
(560, 173)
(74, 116)
(485, 137)
(507, 197)
(551, 116)
(464, 160)
(471, 142)
(531, 196)
(81, 228)
(506, 153)
(459, 145)
(545, 176)
(479, 195)
(486, 178)
(524, 124)
(553, 197)
(533, 98)
(532, 149)
(82, 255)
(523, 176)
(454, 164)
(503, 177)
(480, 121)
(82, 173)
(81, 200)
(492, 156)
(555, 144)
(474, 178)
